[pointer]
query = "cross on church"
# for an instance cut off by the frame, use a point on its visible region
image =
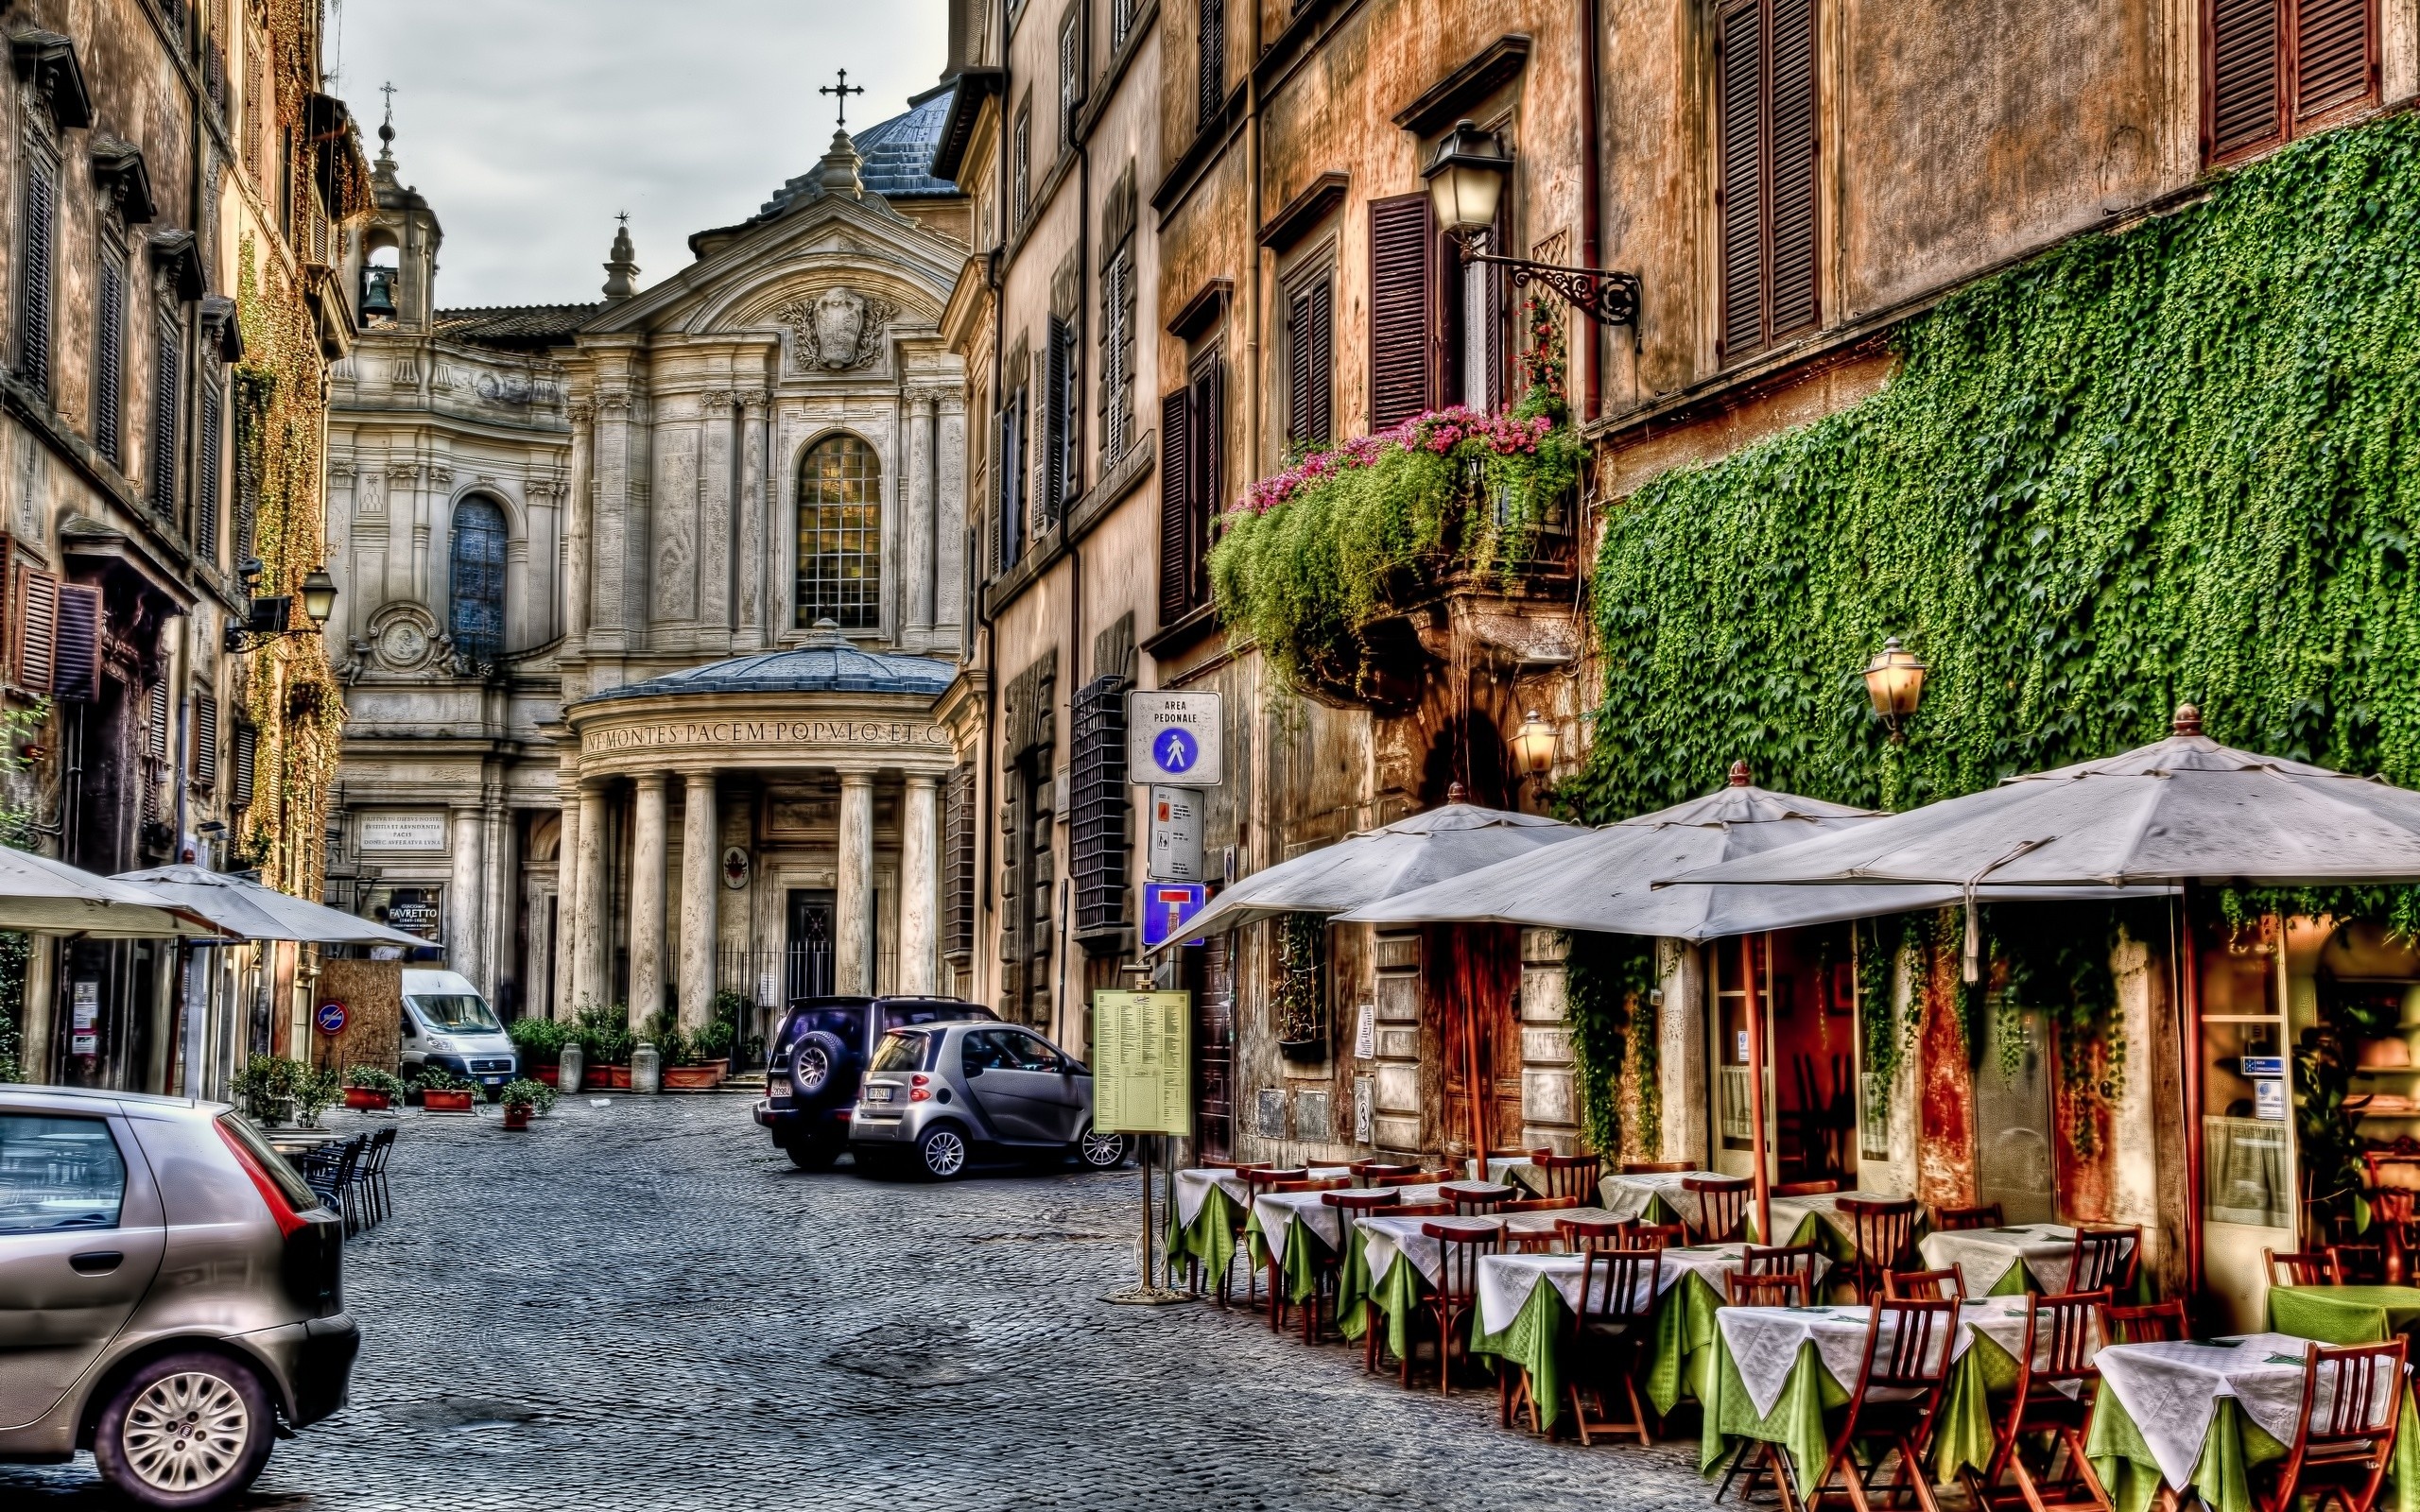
(388, 89)
(843, 89)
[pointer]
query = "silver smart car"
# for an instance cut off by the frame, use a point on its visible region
(170, 1293)
(937, 1095)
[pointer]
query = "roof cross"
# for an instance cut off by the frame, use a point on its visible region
(843, 89)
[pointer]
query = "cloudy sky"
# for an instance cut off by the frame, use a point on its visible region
(529, 123)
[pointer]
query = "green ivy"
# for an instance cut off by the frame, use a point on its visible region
(2178, 463)
(1889, 1033)
(1609, 983)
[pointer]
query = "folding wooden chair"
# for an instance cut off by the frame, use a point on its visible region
(1950, 1220)
(1455, 1299)
(2104, 1256)
(2306, 1267)
(1722, 1207)
(1352, 1206)
(2152, 1323)
(1882, 1232)
(1567, 1175)
(1924, 1285)
(1611, 1330)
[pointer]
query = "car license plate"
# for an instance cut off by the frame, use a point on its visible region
(492, 1081)
(879, 1094)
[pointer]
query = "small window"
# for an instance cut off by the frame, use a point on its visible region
(1071, 78)
(839, 535)
(37, 251)
(108, 358)
(1766, 203)
(2280, 68)
(57, 1173)
(1021, 164)
(1311, 362)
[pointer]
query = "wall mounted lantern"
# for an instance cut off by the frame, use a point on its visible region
(1533, 745)
(1466, 182)
(1895, 681)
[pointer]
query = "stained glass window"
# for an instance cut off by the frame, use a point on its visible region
(478, 620)
(839, 535)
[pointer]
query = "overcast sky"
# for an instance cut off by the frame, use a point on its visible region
(529, 123)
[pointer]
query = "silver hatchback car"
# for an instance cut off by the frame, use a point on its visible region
(938, 1095)
(170, 1293)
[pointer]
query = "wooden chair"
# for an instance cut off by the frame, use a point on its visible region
(1765, 1289)
(1423, 1209)
(1924, 1285)
(1231, 1165)
(1298, 1182)
(1803, 1188)
(1722, 1206)
(2056, 1383)
(1454, 1298)
(1478, 1200)
(1530, 1241)
(1658, 1235)
(1366, 1172)
(1323, 1183)
(2305, 1267)
(1408, 1178)
(1567, 1175)
(2359, 1265)
(1580, 1235)
(2105, 1256)
(2345, 1434)
(1898, 1388)
(1882, 1233)
(1612, 1328)
(1653, 1167)
(2152, 1323)
(1353, 1205)
(1804, 1261)
(1949, 1220)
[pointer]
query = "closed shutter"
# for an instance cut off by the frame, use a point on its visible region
(1054, 425)
(166, 395)
(1739, 133)
(1322, 357)
(35, 278)
(75, 671)
(1071, 92)
(36, 629)
(1793, 153)
(1206, 413)
(155, 748)
(1176, 477)
(249, 445)
(1310, 361)
(247, 752)
(2335, 60)
(1097, 829)
(206, 496)
(1765, 141)
(1403, 313)
(957, 863)
(1212, 59)
(109, 363)
(1298, 367)
(203, 749)
(2245, 77)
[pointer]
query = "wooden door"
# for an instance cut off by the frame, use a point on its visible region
(1474, 977)
(1211, 977)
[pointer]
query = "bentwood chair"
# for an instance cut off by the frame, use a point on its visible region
(1882, 1233)
(1804, 1189)
(2105, 1255)
(1659, 1235)
(1257, 1180)
(1950, 1220)
(1611, 1330)
(1580, 1235)
(1411, 1178)
(1455, 1299)
(2359, 1265)
(1899, 1383)
(1722, 1207)
(1804, 1261)
(1477, 1200)
(1365, 1172)
(1924, 1285)
(2345, 1434)
(1567, 1175)
(2056, 1382)
(1654, 1167)
(1277, 1301)
(2309, 1268)
(2152, 1323)
(1351, 1206)
(1422, 1210)
(1531, 1239)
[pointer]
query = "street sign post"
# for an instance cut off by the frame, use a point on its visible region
(1174, 739)
(1175, 854)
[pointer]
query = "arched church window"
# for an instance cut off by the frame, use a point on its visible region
(839, 535)
(476, 620)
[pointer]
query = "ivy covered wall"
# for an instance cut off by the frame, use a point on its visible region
(2178, 463)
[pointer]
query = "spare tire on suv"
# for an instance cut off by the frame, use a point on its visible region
(817, 1056)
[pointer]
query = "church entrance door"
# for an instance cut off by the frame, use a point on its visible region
(808, 966)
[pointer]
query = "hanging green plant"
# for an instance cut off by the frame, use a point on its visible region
(1889, 1032)
(1609, 988)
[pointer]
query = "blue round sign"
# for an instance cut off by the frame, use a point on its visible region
(330, 1018)
(1175, 750)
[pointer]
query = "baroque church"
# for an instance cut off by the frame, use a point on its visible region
(646, 604)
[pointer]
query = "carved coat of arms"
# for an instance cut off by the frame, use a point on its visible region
(837, 330)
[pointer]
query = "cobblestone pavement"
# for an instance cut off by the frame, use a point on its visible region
(641, 1305)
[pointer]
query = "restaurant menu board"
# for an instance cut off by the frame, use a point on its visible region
(1142, 1069)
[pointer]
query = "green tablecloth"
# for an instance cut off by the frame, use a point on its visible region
(1680, 1359)
(1301, 1264)
(2343, 1315)
(1210, 1238)
(1396, 1294)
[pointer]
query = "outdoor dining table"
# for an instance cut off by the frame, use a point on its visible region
(1388, 1264)
(1817, 1220)
(1777, 1371)
(2201, 1417)
(1525, 1304)
(2029, 1256)
(1280, 1218)
(1515, 1170)
(1208, 1209)
(1651, 1196)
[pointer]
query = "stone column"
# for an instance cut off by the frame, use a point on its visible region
(853, 933)
(576, 524)
(916, 562)
(757, 598)
(501, 883)
(648, 861)
(588, 901)
(566, 909)
(465, 906)
(701, 876)
(919, 890)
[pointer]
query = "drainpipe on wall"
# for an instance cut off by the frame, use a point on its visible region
(1074, 477)
(1591, 190)
(987, 772)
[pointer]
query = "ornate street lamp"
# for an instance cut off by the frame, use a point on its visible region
(318, 596)
(1466, 182)
(268, 619)
(1533, 745)
(1894, 682)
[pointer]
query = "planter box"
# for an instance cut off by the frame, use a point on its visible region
(692, 1078)
(437, 1102)
(364, 1098)
(551, 1075)
(516, 1115)
(607, 1078)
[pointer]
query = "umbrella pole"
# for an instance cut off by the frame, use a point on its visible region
(1764, 1191)
(1470, 1050)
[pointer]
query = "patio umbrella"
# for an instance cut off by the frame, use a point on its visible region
(39, 896)
(242, 907)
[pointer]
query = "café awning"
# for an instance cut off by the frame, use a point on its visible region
(241, 907)
(39, 896)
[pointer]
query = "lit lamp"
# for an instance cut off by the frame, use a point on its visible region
(1533, 745)
(319, 595)
(1466, 182)
(1895, 681)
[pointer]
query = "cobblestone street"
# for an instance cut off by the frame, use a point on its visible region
(643, 1305)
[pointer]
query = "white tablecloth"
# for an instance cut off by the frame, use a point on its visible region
(1764, 1341)
(1193, 1186)
(1382, 1239)
(1790, 1213)
(2172, 1391)
(1544, 1223)
(1278, 1211)
(1626, 1196)
(1506, 1281)
(1983, 1256)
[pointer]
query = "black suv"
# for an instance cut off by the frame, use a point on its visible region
(817, 1057)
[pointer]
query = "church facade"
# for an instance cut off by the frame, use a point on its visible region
(646, 603)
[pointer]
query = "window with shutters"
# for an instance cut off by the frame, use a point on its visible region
(1021, 164)
(1099, 827)
(37, 263)
(155, 748)
(167, 396)
(474, 596)
(241, 763)
(1121, 23)
(1766, 166)
(34, 653)
(1211, 59)
(109, 354)
(1403, 264)
(1071, 78)
(2274, 69)
(957, 864)
(1061, 465)
(251, 420)
(839, 535)
(210, 420)
(1476, 318)
(1009, 538)
(201, 752)
(1190, 432)
(1117, 318)
(76, 656)
(1310, 361)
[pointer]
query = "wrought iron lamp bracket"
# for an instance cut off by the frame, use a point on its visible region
(1604, 296)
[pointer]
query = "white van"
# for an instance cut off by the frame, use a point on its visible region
(449, 1026)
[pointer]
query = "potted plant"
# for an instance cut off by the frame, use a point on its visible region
(441, 1092)
(683, 1065)
(275, 1090)
(606, 1041)
(539, 1042)
(372, 1088)
(523, 1100)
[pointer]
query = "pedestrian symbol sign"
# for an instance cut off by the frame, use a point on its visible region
(1173, 739)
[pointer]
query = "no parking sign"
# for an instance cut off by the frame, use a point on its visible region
(331, 1019)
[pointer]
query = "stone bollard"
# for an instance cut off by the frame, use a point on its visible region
(567, 1076)
(647, 1069)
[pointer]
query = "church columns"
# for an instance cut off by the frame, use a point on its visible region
(716, 512)
(502, 867)
(566, 908)
(465, 920)
(756, 590)
(919, 883)
(700, 872)
(648, 861)
(575, 585)
(916, 565)
(854, 921)
(588, 909)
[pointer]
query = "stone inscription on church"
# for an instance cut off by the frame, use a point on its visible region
(765, 734)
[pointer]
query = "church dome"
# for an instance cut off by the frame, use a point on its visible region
(897, 153)
(826, 663)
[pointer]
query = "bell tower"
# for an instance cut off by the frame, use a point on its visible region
(393, 261)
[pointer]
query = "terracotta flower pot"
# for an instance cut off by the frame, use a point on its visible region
(692, 1078)
(444, 1101)
(367, 1098)
(610, 1078)
(516, 1115)
(551, 1075)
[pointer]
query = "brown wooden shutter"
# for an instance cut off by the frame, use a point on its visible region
(1055, 419)
(38, 255)
(1176, 477)
(155, 713)
(1322, 357)
(1202, 498)
(167, 394)
(203, 749)
(2246, 81)
(2335, 54)
(206, 496)
(247, 754)
(109, 363)
(76, 673)
(1403, 309)
(957, 863)
(1793, 154)
(36, 629)
(1211, 57)
(1739, 133)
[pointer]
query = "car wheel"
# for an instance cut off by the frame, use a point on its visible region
(1101, 1152)
(814, 1154)
(942, 1152)
(816, 1063)
(184, 1431)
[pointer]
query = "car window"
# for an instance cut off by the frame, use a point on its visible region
(848, 1026)
(298, 1192)
(981, 1050)
(1030, 1052)
(57, 1173)
(897, 1014)
(899, 1051)
(456, 1013)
